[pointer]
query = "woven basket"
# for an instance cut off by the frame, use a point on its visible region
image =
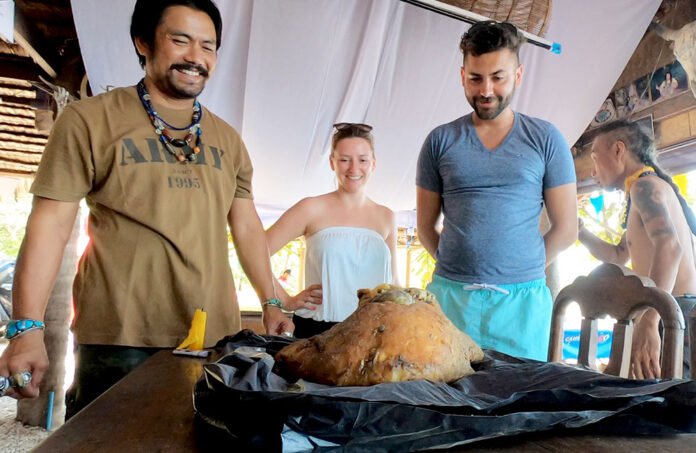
(532, 16)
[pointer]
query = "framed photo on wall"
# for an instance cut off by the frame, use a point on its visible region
(668, 81)
(624, 102)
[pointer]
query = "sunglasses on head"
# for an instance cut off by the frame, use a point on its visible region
(354, 128)
(492, 24)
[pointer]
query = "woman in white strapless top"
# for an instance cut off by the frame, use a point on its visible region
(351, 240)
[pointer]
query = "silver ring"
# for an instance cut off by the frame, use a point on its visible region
(21, 379)
(4, 385)
(288, 334)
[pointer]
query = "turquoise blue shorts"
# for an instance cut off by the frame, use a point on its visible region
(517, 324)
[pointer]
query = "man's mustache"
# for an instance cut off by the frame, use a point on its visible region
(190, 67)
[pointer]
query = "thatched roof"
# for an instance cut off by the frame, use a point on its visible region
(21, 142)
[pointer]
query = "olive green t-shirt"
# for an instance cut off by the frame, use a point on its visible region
(158, 227)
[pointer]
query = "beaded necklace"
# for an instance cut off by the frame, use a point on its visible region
(627, 190)
(170, 144)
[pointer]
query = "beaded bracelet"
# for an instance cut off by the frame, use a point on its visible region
(274, 302)
(18, 327)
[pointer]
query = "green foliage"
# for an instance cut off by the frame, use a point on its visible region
(13, 220)
(423, 267)
(287, 258)
(606, 225)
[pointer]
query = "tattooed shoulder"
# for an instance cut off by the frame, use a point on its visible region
(649, 199)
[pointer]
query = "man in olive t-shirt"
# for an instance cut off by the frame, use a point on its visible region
(163, 177)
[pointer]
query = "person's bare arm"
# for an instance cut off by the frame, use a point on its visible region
(650, 200)
(252, 250)
(602, 250)
(291, 225)
(428, 207)
(48, 231)
(562, 209)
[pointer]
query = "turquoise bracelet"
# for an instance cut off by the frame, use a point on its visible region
(17, 327)
(274, 302)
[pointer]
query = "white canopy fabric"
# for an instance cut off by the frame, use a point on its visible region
(288, 69)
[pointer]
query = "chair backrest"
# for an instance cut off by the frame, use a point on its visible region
(616, 291)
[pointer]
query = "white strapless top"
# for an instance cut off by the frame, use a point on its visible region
(343, 260)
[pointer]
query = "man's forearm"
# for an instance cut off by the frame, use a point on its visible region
(602, 250)
(430, 239)
(556, 240)
(428, 209)
(252, 248)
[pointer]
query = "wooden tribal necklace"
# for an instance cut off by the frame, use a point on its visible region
(181, 149)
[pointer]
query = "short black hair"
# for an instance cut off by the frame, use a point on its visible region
(490, 36)
(147, 16)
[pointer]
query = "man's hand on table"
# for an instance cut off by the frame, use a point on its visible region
(26, 353)
(275, 321)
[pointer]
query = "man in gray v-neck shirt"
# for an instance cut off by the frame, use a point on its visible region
(489, 173)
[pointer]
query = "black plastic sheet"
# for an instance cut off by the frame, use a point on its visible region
(506, 396)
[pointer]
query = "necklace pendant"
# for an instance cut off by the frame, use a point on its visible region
(187, 151)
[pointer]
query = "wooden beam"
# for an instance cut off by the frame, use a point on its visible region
(48, 27)
(35, 55)
(19, 157)
(16, 111)
(16, 121)
(17, 174)
(16, 67)
(17, 146)
(13, 49)
(23, 130)
(23, 138)
(46, 11)
(8, 81)
(17, 93)
(14, 167)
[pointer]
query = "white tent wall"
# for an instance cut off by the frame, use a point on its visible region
(288, 69)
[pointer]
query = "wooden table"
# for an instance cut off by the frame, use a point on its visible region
(151, 410)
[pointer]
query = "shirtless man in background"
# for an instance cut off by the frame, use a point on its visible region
(658, 232)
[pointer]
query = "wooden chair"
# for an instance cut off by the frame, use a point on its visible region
(616, 291)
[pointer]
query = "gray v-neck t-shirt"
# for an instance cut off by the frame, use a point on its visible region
(492, 199)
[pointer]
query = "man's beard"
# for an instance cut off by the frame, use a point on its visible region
(179, 90)
(488, 113)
